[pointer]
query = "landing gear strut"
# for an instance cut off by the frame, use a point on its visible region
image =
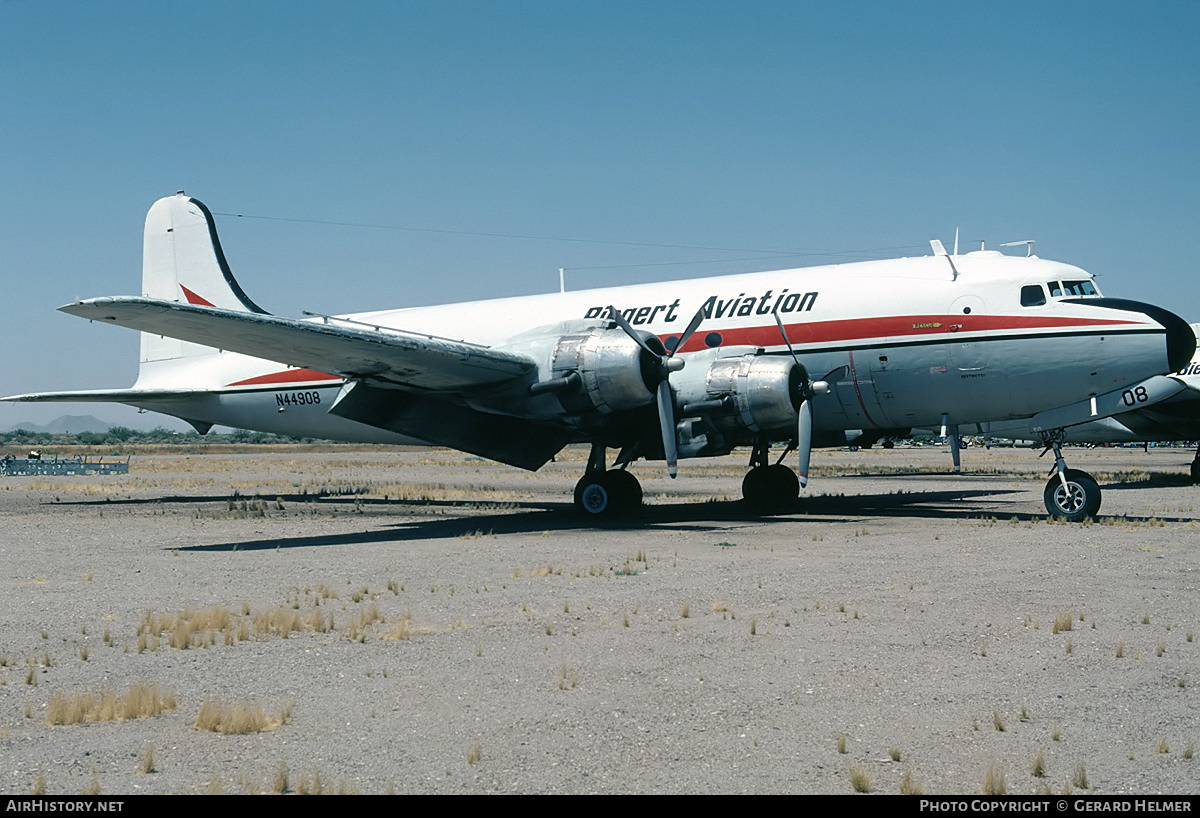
(605, 494)
(1070, 494)
(769, 486)
(1196, 467)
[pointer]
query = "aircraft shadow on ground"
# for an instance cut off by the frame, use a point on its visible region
(714, 517)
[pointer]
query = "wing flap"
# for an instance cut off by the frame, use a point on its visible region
(406, 359)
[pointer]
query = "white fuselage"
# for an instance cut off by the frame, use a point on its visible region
(921, 341)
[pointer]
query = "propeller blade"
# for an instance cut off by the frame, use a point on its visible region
(666, 420)
(783, 332)
(663, 394)
(692, 326)
(623, 324)
(804, 441)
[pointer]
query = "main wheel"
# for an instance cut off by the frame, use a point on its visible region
(1079, 499)
(626, 487)
(1195, 472)
(769, 487)
(607, 493)
(594, 495)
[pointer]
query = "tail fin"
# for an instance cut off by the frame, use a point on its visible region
(182, 260)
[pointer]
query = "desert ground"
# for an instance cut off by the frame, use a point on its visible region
(374, 620)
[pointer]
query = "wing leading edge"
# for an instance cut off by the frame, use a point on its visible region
(408, 360)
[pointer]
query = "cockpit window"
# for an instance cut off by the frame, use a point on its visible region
(1079, 288)
(1055, 289)
(1032, 295)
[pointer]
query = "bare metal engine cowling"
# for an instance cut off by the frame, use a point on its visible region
(616, 374)
(754, 391)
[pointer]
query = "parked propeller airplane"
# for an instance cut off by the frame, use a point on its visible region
(660, 371)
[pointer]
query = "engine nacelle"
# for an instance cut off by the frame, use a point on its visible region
(757, 392)
(583, 370)
(615, 373)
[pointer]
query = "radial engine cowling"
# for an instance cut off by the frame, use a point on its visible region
(615, 373)
(758, 392)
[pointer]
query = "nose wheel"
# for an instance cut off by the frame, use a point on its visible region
(1073, 500)
(1070, 494)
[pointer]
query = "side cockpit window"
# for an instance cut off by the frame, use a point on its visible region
(1032, 295)
(1079, 288)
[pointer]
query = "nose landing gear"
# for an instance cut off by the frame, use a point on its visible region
(1070, 494)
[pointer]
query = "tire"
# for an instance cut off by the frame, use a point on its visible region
(1195, 472)
(594, 496)
(785, 485)
(769, 487)
(1078, 501)
(626, 487)
(607, 494)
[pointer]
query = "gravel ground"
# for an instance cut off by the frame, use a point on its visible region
(484, 639)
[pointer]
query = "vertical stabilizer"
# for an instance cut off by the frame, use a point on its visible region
(182, 261)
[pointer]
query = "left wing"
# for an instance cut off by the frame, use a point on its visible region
(409, 360)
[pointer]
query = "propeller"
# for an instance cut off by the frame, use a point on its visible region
(804, 420)
(667, 363)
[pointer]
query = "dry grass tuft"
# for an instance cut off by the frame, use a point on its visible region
(997, 722)
(280, 785)
(474, 754)
(909, 785)
(1162, 747)
(568, 679)
(236, 718)
(39, 785)
(147, 765)
(141, 701)
(1080, 779)
(1038, 770)
(993, 781)
(1063, 621)
(860, 777)
(841, 743)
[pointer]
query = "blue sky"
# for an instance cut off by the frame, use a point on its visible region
(862, 129)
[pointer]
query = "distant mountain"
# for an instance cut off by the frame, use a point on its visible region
(65, 425)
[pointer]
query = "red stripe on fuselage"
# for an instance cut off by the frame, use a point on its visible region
(288, 376)
(897, 326)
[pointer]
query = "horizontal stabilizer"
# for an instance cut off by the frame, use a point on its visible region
(130, 396)
(405, 359)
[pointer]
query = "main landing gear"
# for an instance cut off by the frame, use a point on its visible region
(769, 486)
(606, 493)
(1070, 494)
(1196, 467)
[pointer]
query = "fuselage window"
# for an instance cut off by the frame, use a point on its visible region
(1032, 295)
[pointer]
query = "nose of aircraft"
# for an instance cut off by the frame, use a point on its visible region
(1181, 340)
